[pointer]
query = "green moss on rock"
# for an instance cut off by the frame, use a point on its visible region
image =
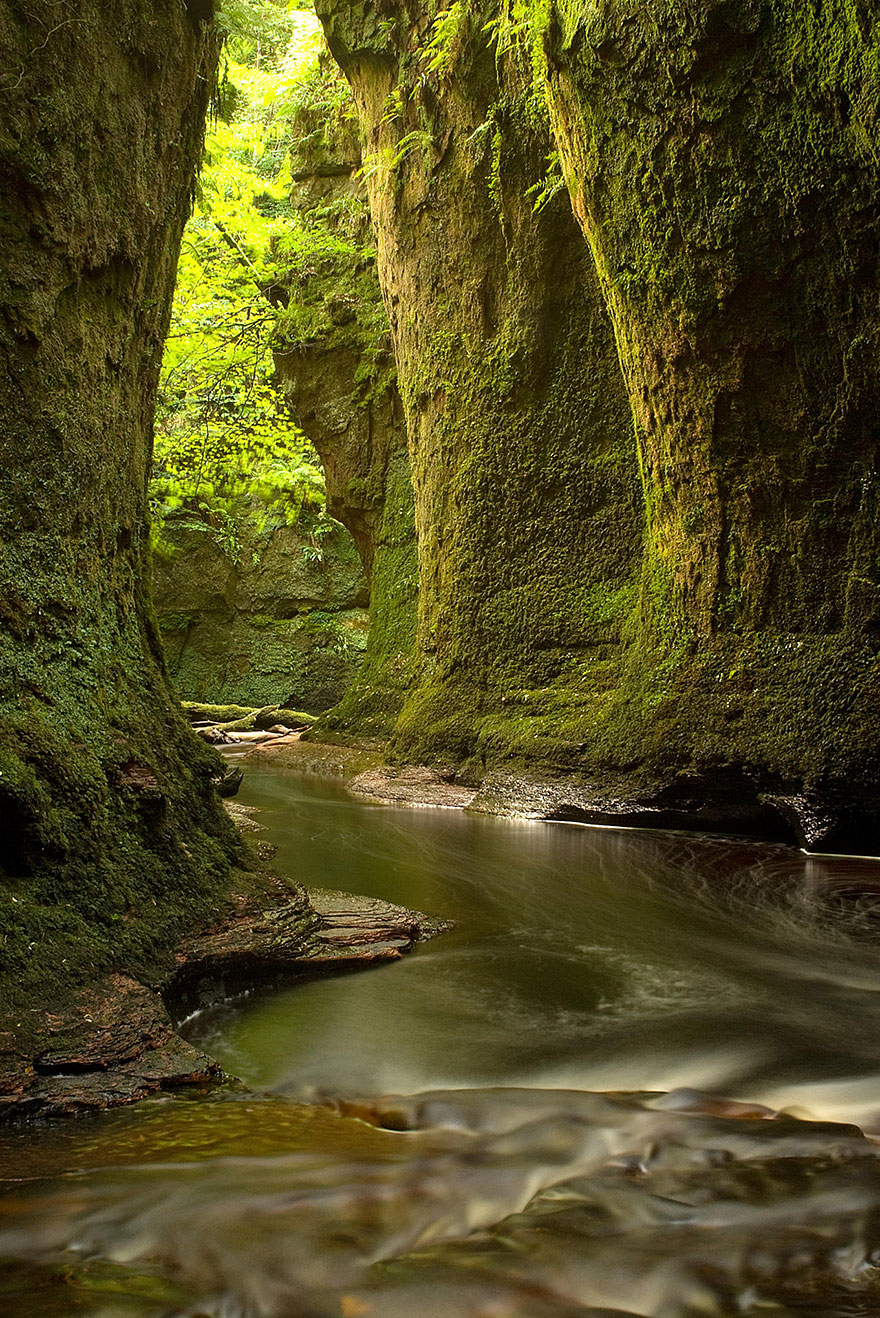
(520, 434)
(695, 597)
(334, 358)
(721, 165)
(282, 622)
(112, 837)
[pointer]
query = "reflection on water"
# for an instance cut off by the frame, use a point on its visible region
(534, 1161)
(581, 958)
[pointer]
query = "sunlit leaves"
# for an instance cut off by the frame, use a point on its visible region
(224, 437)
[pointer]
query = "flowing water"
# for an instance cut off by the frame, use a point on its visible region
(640, 1076)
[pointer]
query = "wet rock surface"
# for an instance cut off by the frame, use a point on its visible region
(311, 933)
(112, 1045)
(413, 785)
(116, 1041)
(725, 801)
(721, 803)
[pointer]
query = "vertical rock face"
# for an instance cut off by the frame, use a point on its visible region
(723, 165)
(279, 622)
(524, 468)
(111, 833)
(335, 362)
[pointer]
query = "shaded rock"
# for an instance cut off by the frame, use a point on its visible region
(727, 803)
(115, 1041)
(313, 932)
(827, 825)
(229, 781)
(114, 1044)
(282, 616)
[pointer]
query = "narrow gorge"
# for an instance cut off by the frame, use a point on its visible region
(440, 536)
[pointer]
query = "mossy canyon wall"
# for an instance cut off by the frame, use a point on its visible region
(643, 417)
(335, 363)
(282, 621)
(111, 835)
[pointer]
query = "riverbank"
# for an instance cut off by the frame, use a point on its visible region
(622, 1077)
(723, 804)
(114, 1041)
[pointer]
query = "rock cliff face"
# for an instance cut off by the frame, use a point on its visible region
(645, 465)
(525, 476)
(283, 623)
(335, 363)
(723, 167)
(111, 836)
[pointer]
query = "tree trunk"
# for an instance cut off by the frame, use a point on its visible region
(111, 835)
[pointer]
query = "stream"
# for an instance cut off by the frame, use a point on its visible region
(641, 1076)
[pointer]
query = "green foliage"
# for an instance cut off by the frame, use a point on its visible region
(390, 158)
(261, 31)
(444, 43)
(549, 186)
(224, 438)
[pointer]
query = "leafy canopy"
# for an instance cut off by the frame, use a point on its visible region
(224, 438)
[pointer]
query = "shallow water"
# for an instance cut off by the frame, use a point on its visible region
(518, 1119)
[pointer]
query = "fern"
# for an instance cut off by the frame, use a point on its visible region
(389, 158)
(444, 40)
(549, 186)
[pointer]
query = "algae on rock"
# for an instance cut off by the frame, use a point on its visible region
(524, 467)
(112, 837)
(333, 357)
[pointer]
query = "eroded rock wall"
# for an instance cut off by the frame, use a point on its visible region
(283, 621)
(336, 366)
(721, 163)
(111, 836)
(524, 469)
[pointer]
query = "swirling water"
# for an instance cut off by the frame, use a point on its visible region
(640, 1076)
